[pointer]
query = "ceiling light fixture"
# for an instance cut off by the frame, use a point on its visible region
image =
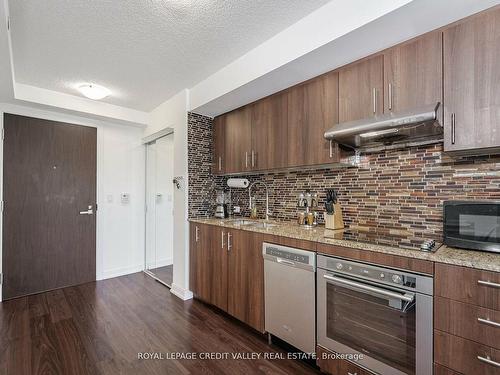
(93, 91)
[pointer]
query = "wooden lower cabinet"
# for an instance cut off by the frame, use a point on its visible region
(218, 266)
(200, 261)
(464, 356)
(332, 366)
(468, 285)
(466, 315)
(227, 271)
(468, 321)
(246, 278)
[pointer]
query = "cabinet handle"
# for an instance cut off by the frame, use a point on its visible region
(253, 158)
(196, 236)
(331, 149)
(488, 283)
(390, 97)
(222, 240)
(229, 245)
(374, 95)
(453, 128)
(489, 322)
(488, 361)
(220, 163)
(352, 373)
(246, 159)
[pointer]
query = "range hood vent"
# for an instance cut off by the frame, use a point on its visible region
(393, 130)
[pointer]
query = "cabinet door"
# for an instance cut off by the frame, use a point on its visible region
(472, 83)
(218, 267)
(238, 140)
(413, 74)
(361, 89)
(269, 133)
(218, 145)
(246, 278)
(312, 110)
(200, 260)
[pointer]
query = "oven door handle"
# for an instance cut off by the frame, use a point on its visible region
(407, 297)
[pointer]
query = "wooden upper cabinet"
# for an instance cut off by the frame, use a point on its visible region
(361, 89)
(219, 157)
(472, 83)
(312, 110)
(238, 140)
(269, 133)
(413, 74)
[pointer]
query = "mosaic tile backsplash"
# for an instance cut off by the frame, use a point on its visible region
(399, 190)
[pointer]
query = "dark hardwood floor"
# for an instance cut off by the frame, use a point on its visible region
(165, 273)
(100, 327)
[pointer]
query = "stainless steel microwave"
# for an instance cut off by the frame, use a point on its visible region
(472, 225)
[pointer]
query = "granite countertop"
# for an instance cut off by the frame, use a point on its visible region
(460, 257)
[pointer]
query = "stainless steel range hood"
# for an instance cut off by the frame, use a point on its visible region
(393, 130)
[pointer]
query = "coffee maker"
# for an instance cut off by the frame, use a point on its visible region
(221, 210)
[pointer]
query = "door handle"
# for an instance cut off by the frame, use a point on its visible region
(488, 283)
(489, 322)
(489, 361)
(390, 97)
(88, 212)
(284, 261)
(453, 121)
(408, 297)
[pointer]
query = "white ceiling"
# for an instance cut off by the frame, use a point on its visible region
(144, 51)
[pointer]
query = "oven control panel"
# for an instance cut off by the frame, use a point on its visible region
(380, 275)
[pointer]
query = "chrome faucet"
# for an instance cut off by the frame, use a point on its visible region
(267, 196)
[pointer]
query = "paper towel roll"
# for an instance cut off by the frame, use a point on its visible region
(238, 183)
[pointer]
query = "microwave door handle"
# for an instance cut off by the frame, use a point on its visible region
(406, 297)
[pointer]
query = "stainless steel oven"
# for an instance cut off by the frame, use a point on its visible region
(381, 316)
(472, 224)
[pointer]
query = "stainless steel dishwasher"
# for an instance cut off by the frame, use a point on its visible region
(289, 288)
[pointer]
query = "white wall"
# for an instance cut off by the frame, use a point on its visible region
(121, 226)
(173, 114)
(120, 168)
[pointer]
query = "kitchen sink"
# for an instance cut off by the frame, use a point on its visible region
(253, 223)
(264, 225)
(243, 222)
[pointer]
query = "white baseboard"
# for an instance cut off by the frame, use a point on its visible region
(183, 294)
(115, 272)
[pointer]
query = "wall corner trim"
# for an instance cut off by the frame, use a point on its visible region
(183, 294)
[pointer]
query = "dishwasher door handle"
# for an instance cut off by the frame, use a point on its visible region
(284, 261)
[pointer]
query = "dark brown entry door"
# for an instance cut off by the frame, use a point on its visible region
(49, 182)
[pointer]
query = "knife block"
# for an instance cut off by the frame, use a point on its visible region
(334, 221)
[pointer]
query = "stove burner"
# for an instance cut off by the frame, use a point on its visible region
(381, 236)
